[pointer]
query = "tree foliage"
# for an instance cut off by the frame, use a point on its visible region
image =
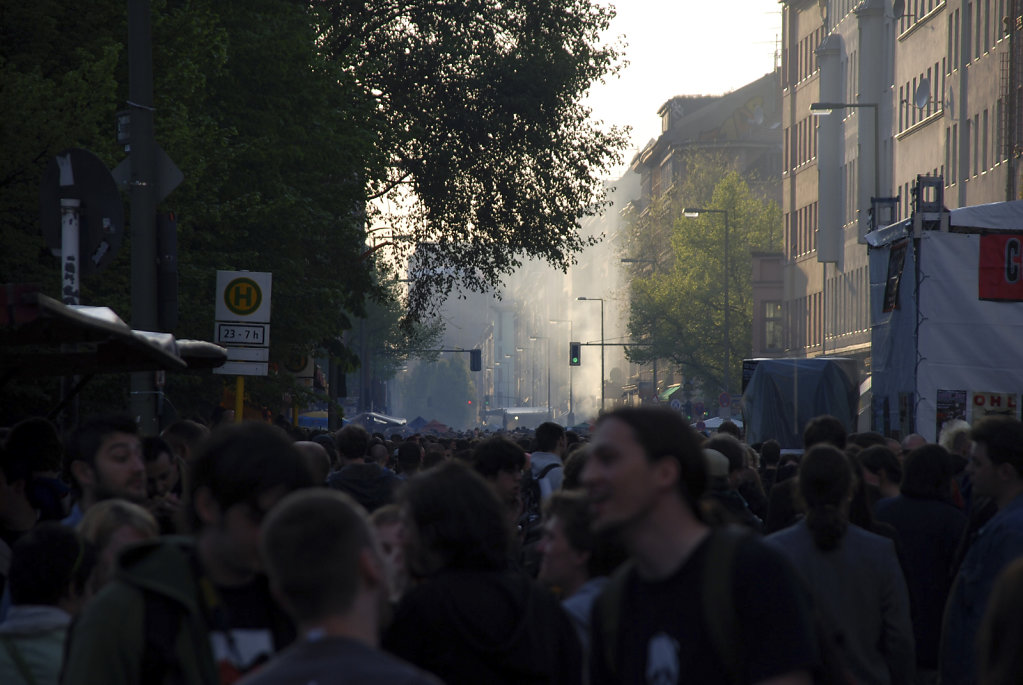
(289, 119)
(483, 141)
(677, 303)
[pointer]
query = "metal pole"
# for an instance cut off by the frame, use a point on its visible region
(143, 202)
(601, 357)
(239, 398)
(70, 287)
(549, 410)
(728, 341)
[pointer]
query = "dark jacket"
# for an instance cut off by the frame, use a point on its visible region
(861, 595)
(108, 639)
(149, 625)
(486, 627)
(929, 531)
(371, 485)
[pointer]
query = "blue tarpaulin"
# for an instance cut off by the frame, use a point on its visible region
(784, 394)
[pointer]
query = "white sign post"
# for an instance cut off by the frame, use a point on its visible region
(243, 324)
(243, 321)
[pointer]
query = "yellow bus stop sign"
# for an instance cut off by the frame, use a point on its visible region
(243, 296)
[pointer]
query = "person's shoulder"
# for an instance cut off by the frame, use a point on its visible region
(864, 542)
(307, 661)
(788, 535)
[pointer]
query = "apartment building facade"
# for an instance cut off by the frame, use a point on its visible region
(909, 88)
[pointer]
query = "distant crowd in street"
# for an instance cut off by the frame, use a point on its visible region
(641, 552)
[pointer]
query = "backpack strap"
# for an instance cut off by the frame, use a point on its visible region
(718, 600)
(547, 469)
(718, 603)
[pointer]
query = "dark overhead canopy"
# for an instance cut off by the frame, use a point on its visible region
(39, 336)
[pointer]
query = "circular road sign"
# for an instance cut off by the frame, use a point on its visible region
(296, 363)
(724, 399)
(101, 217)
(243, 296)
(676, 404)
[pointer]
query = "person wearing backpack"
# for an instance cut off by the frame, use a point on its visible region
(653, 624)
(545, 462)
(197, 609)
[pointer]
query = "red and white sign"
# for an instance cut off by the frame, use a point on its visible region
(1000, 268)
(994, 403)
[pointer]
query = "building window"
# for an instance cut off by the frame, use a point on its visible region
(999, 124)
(955, 39)
(948, 143)
(975, 125)
(774, 328)
(984, 143)
(987, 25)
(953, 170)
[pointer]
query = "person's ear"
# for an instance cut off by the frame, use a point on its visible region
(206, 508)
(83, 473)
(371, 568)
(1006, 471)
(280, 598)
(667, 471)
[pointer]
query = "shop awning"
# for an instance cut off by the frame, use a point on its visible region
(40, 336)
(668, 392)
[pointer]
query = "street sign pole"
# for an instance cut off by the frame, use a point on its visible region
(242, 324)
(143, 204)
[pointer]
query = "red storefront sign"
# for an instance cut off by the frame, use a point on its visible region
(1000, 269)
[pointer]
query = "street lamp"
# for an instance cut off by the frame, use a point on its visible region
(548, 339)
(823, 109)
(601, 300)
(693, 213)
(571, 409)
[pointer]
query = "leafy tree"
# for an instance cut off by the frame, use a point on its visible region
(677, 304)
(482, 139)
(289, 120)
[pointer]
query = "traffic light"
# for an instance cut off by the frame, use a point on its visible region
(574, 356)
(475, 360)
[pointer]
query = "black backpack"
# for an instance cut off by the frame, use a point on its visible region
(531, 520)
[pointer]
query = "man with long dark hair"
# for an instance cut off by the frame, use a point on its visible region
(645, 477)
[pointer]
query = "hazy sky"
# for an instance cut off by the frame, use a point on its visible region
(683, 47)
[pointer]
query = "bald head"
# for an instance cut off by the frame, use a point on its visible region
(316, 459)
(912, 441)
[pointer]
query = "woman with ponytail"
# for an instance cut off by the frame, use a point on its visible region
(853, 575)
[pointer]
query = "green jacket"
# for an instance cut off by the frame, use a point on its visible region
(108, 641)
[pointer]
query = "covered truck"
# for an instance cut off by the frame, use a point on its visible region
(946, 299)
(782, 395)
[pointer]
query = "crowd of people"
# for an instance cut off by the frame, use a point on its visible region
(645, 552)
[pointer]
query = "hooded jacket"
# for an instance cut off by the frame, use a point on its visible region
(370, 484)
(108, 641)
(486, 627)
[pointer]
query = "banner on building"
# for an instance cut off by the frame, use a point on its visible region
(1000, 268)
